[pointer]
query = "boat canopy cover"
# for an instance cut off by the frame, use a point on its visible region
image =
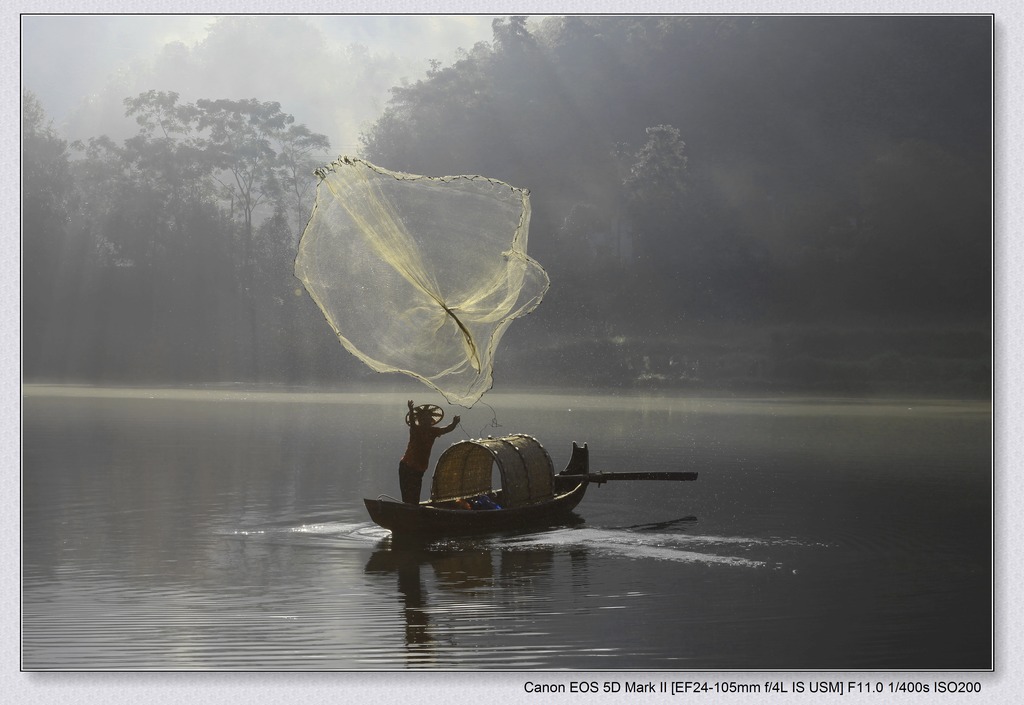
(464, 470)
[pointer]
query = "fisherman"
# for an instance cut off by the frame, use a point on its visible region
(423, 431)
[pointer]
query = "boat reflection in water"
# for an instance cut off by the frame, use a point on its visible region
(469, 582)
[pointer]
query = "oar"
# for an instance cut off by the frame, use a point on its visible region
(602, 477)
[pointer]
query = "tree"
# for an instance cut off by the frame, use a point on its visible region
(49, 254)
(658, 176)
(46, 185)
(239, 142)
(158, 112)
(655, 188)
(300, 151)
(171, 220)
(45, 180)
(924, 236)
(166, 169)
(249, 153)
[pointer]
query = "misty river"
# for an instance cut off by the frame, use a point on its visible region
(223, 529)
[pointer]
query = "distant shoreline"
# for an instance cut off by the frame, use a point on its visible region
(580, 400)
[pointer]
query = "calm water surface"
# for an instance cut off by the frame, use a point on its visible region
(182, 530)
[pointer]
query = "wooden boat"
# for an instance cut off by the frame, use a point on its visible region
(530, 496)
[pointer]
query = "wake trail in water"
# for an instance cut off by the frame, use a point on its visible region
(628, 542)
(363, 531)
(670, 547)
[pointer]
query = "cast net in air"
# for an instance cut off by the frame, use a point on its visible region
(420, 275)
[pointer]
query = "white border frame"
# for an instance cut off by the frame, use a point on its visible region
(999, 686)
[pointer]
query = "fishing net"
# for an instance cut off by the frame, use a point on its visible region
(420, 275)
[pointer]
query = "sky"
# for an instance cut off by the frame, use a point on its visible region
(332, 72)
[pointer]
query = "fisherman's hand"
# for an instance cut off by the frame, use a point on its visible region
(456, 419)
(410, 405)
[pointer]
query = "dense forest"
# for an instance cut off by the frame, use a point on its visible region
(724, 203)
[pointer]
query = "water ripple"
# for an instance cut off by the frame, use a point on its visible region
(668, 547)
